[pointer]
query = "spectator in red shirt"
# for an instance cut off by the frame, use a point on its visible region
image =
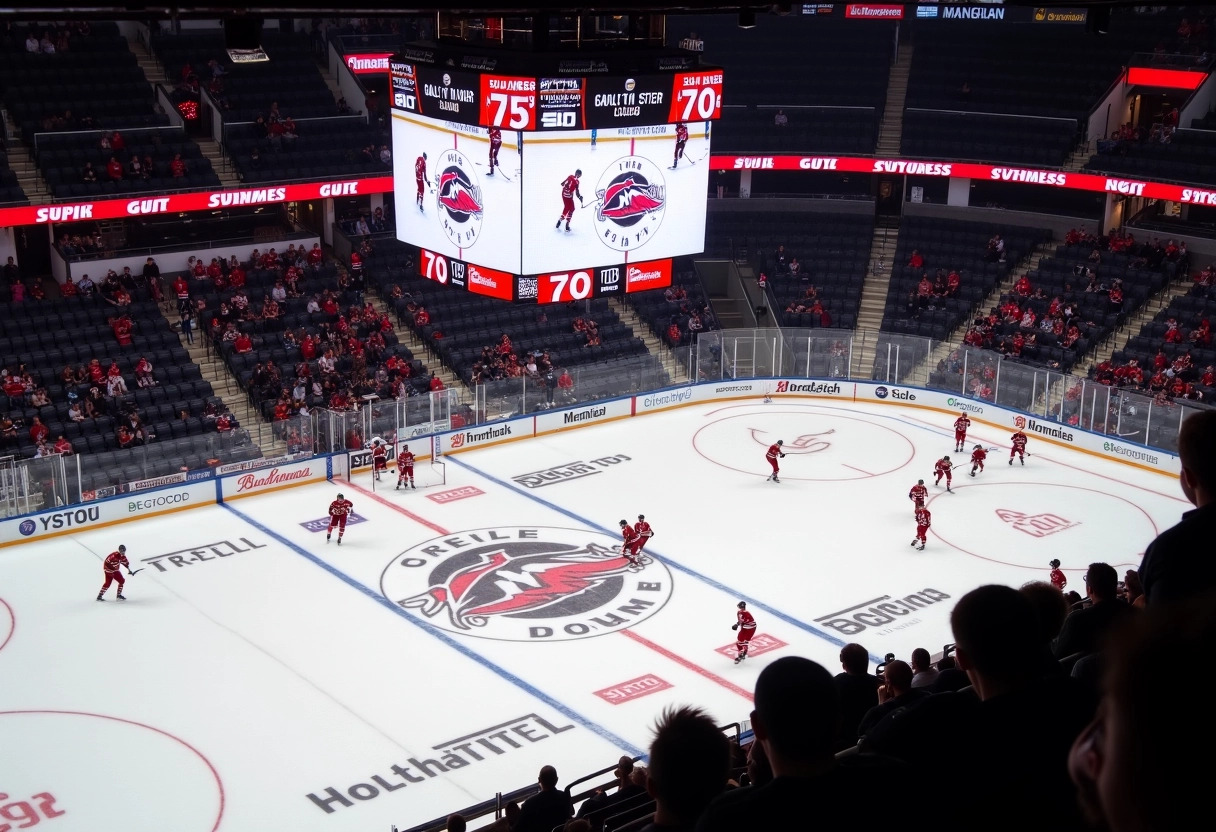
(243, 343)
(916, 261)
(422, 317)
(952, 282)
(38, 431)
(114, 169)
(1023, 286)
(436, 382)
(117, 143)
(181, 288)
(223, 423)
(68, 289)
(63, 446)
(316, 255)
(177, 167)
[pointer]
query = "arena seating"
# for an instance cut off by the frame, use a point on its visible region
(52, 334)
(659, 309)
(10, 188)
(325, 147)
(97, 79)
(952, 245)
(1189, 156)
(1019, 140)
(291, 76)
(62, 157)
(803, 65)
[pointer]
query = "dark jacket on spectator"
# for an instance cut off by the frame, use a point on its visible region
(1084, 628)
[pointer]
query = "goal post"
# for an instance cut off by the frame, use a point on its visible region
(428, 472)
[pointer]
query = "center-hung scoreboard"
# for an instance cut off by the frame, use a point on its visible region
(568, 183)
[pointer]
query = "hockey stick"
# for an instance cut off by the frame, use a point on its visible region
(136, 571)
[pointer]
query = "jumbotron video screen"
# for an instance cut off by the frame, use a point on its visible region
(545, 189)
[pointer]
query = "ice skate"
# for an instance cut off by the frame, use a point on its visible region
(973, 473)
(739, 658)
(567, 226)
(1022, 459)
(413, 486)
(559, 224)
(1010, 460)
(397, 487)
(339, 540)
(121, 597)
(913, 543)
(920, 546)
(491, 173)
(327, 537)
(99, 598)
(951, 490)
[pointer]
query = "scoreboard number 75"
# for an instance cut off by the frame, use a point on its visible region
(516, 112)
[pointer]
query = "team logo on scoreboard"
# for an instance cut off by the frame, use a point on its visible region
(632, 202)
(517, 583)
(460, 199)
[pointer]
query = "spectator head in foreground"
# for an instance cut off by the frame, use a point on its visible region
(689, 765)
(1197, 453)
(1130, 764)
(997, 639)
(795, 716)
(855, 658)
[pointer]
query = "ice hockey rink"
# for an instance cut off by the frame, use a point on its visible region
(258, 678)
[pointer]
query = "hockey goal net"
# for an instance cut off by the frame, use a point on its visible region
(429, 468)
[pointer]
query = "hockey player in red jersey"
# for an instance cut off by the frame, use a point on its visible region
(339, 510)
(745, 625)
(918, 493)
(1019, 447)
(420, 177)
(681, 140)
(495, 143)
(379, 457)
(943, 468)
(1057, 575)
(978, 455)
(113, 565)
(405, 468)
(771, 455)
(569, 192)
(923, 521)
(631, 544)
(960, 432)
(644, 531)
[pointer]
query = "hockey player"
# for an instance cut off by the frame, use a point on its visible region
(339, 510)
(978, 455)
(771, 455)
(495, 143)
(420, 177)
(745, 625)
(943, 468)
(113, 565)
(1057, 575)
(379, 457)
(569, 192)
(631, 544)
(923, 521)
(960, 432)
(644, 531)
(681, 140)
(918, 493)
(1019, 446)
(405, 468)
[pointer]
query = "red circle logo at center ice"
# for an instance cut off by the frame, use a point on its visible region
(632, 201)
(459, 197)
(519, 583)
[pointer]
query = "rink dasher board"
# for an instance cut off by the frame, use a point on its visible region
(123, 508)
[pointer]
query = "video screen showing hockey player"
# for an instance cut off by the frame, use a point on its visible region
(615, 195)
(457, 189)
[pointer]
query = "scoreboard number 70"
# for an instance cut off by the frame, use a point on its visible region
(697, 96)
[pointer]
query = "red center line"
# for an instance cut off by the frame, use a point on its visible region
(645, 642)
(858, 470)
(695, 668)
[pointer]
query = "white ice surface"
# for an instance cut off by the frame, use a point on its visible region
(282, 668)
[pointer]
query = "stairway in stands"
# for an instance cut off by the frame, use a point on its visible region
(874, 292)
(890, 130)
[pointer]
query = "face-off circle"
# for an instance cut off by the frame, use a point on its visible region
(1026, 524)
(632, 203)
(819, 446)
(459, 198)
(525, 583)
(142, 778)
(8, 623)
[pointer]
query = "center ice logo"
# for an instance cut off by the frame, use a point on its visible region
(632, 202)
(459, 198)
(525, 584)
(807, 443)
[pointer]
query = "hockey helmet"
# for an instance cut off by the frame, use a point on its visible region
(339, 496)
(424, 154)
(578, 172)
(742, 605)
(624, 524)
(780, 442)
(641, 516)
(122, 548)
(920, 482)
(1055, 563)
